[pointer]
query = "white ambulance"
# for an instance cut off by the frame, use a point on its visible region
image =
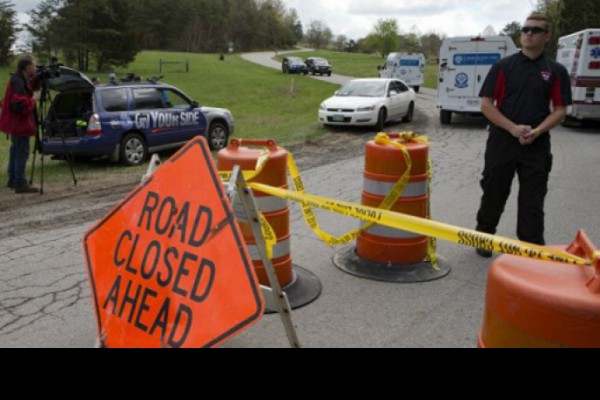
(580, 54)
(464, 65)
(408, 67)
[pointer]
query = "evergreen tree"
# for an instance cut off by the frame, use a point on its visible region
(8, 30)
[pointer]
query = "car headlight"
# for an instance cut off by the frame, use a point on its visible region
(322, 107)
(364, 109)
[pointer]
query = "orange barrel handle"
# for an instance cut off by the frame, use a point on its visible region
(400, 135)
(584, 248)
(237, 143)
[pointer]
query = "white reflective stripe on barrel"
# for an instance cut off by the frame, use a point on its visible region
(269, 204)
(415, 189)
(280, 250)
(390, 233)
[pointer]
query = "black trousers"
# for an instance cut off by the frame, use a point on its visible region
(504, 158)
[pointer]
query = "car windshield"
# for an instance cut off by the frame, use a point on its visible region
(296, 61)
(363, 89)
(321, 62)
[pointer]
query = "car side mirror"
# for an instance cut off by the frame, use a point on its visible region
(379, 68)
(195, 104)
(393, 93)
(336, 92)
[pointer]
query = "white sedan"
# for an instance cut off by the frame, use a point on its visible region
(369, 102)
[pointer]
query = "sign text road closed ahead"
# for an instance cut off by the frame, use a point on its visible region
(168, 266)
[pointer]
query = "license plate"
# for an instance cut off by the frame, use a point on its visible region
(338, 118)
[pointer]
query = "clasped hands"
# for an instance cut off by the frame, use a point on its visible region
(526, 134)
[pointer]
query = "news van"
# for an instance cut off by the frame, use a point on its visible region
(580, 54)
(464, 65)
(408, 67)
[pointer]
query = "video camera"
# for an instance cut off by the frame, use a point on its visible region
(50, 71)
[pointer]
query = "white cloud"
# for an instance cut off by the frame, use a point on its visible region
(355, 18)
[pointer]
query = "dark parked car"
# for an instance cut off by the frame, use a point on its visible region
(319, 66)
(127, 121)
(294, 65)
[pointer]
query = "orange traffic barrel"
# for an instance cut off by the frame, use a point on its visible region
(385, 165)
(536, 304)
(384, 253)
(301, 286)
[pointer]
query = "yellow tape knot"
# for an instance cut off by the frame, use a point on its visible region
(596, 257)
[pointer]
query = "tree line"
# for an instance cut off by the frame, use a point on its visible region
(95, 34)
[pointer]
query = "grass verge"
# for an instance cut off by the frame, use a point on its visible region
(264, 102)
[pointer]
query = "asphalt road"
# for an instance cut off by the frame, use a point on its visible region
(266, 60)
(45, 299)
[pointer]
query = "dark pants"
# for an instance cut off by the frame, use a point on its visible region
(19, 154)
(504, 158)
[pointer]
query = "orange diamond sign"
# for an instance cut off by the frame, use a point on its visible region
(168, 266)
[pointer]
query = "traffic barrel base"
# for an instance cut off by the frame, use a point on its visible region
(304, 290)
(349, 262)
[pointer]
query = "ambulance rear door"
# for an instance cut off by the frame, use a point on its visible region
(410, 70)
(462, 69)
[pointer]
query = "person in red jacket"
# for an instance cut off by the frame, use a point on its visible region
(17, 119)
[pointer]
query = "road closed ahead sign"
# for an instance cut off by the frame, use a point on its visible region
(168, 266)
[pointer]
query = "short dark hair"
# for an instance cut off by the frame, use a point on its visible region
(536, 16)
(24, 62)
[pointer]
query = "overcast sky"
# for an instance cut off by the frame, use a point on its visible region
(355, 18)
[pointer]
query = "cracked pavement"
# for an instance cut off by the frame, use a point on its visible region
(45, 297)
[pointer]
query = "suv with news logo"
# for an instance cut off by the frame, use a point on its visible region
(127, 121)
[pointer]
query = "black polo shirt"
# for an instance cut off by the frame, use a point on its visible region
(524, 89)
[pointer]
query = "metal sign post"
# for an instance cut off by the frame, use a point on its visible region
(274, 296)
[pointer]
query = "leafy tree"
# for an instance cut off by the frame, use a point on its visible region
(40, 28)
(410, 43)
(352, 46)
(8, 30)
(551, 8)
(341, 43)
(514, 31)
(318, 35)
(386, 34)
(430, 45)
(103, 33)
(577, 15)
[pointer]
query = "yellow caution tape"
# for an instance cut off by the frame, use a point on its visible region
(308, 213)
(382, 215)
(406, 137)
(267, 230)
(387, 204)
(269, 235)
(249, 175)
(426, 227)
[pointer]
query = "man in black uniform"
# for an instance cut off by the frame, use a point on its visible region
(517, 97)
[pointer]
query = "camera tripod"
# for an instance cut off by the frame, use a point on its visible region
(41, 113)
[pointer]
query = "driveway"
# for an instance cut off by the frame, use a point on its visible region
(266, 60)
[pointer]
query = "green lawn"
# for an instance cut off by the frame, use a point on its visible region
(261, 100)
(362, 65)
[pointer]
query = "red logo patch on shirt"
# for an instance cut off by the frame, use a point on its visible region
(546, 75)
